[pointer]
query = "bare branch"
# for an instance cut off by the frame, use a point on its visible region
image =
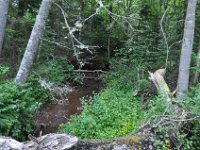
(56, 43)
(97, 10)
(81, 45)
(164, 35)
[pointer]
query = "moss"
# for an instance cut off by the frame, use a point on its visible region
(128, 140)
(132, 142)
(123, 140)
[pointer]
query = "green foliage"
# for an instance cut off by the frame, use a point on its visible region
(3, 70)
(128, 75)
(140, 47)
(192, 140)
(114, 112)
(157, 105)
(59, 70)
(192, 100)
(196, 60)
(191, 103)
(16, 37)
(111, 113)
(189, 136)
(18, 103)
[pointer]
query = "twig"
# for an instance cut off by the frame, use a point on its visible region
(92, 71)
(183, 120)
(97, 10)
(56, 43)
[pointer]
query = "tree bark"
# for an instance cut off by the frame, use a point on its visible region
(80, 34)
(4, 4)
(109, 32)
(196, 75)
(33, 42)
(21, 7)
(186, 51)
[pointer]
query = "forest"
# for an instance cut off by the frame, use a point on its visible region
(99, 74)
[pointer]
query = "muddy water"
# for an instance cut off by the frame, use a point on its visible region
(51, 115)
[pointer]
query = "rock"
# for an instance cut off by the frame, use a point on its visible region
(7, 143)
(46, 142)
(57, 142)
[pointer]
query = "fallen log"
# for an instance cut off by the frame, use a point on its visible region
(171, 126)
(158, 79)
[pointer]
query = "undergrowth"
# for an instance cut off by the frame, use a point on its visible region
(191, 131)
(114, 112)
(118, 109)
(59, 70)
(18, 104)
(111, 113)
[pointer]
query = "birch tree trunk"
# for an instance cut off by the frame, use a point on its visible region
(33, 42)
(186, 51)
(4, 4)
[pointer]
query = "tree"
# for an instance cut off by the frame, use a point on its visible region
(33, 42)
(186, 51)
(196, 75)
(4, 4)
(109, 32)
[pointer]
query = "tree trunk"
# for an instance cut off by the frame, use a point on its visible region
(127, 13)
(196, 75)
(33, 42)
(80, 34)
(186, 51)
(4, 4)
(109, 32)
(21, 8)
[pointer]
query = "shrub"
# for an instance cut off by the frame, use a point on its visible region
(59, 70)
(114, 112)
(4, 69)
(18, 103)
(111, 113)
(191, 104)
(188, 137)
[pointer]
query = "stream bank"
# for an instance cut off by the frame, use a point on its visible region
(51, 115)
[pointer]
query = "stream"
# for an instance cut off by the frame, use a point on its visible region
(51, 115)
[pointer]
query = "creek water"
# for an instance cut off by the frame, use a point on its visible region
(51, 115)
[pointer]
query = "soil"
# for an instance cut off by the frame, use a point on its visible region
(52, 115)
